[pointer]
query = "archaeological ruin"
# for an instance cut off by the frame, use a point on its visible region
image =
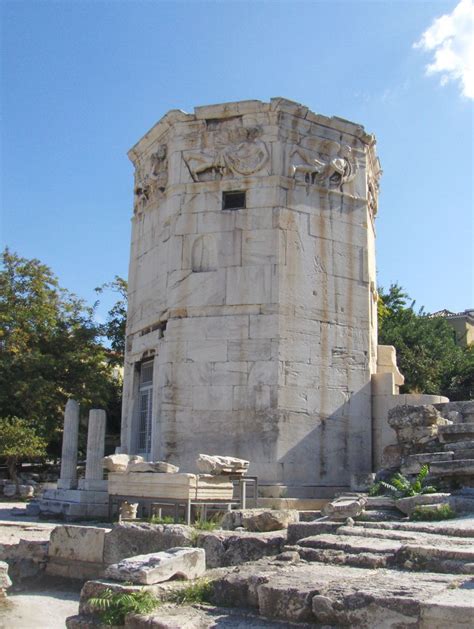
(253, 372)
(252, 321)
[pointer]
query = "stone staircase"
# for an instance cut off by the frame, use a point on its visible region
(368, 546)
(451, 457)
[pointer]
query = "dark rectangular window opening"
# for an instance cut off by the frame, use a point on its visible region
(233, 200)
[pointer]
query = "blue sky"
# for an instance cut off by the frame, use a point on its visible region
(83, 81)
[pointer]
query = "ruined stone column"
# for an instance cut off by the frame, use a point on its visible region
(68, 476)
(95, 449)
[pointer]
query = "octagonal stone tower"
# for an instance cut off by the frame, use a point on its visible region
(251, 327)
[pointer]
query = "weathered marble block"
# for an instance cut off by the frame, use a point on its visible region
(186, 563)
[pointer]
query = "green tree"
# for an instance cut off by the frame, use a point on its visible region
(50, 349)
(114, 327)
(18, 442)
(427, 353)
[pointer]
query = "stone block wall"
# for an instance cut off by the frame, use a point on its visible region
(261, 321)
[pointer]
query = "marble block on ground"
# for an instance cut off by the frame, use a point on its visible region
(161, 467)
(119, 462)
(213, 464)
(78, 543)
(179, 486)
(187, 563)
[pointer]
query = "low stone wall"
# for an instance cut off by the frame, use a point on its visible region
(26, 559)
(79, 552)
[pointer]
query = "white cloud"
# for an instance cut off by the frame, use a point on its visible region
(451, 40)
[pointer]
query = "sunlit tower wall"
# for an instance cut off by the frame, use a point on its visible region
(252, 324)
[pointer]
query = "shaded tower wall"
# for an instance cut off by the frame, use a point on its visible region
(260, 321)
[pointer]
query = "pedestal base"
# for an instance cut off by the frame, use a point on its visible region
(92, 485)
(74, 503)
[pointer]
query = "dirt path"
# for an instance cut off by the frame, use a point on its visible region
(46, 605)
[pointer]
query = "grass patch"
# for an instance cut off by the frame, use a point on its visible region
(112, 607)
(166, 519)
(432, 514)
(205, 525)
(197, 592)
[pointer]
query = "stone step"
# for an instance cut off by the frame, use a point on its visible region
(343, 596)
(421, 552)
(351, 543)
(306, 529)
(460, 467)
(414, 462)
(381, 515)
(440, 559)
(186, 616)
(459, 445)
(456, 432)
(309, 516)
(463, 528)
(411, 537)
(464, 453)
(337, 557)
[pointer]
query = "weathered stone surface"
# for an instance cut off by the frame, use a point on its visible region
(129, 539)
(459, 468)
(68, 475)
(78, 543)
(407, 505)
(85, 622)
(416, 426)
(9, 490)
(343, 508)
(161, 467)
(261, 520)
(225, 300)
(306, 529)
(26, 559)
(413, 463)
(343, 596)
(27, 491)
(456, 432)
(5, 581)
(95, 449)
(232, 549)
(186, 563)
(214, 464)
(205, 617)
(119, 462)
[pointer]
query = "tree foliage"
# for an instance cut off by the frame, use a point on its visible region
(18, 442)
(50, 349)
(427, 353)
(114, 327)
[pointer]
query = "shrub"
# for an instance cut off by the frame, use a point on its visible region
(197, 592)
(156, 519)
(432, 514)
(112, 607)
(400, 487)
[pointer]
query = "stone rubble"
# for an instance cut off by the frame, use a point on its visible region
(118, 462)
(259, 520)
(344, 507)
(160, 467)
(186, 563)
(5, 581)
(216, 465)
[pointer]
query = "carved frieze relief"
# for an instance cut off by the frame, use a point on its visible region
(373, 195)
(236, 152)
(332, 171)
(151, 178)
